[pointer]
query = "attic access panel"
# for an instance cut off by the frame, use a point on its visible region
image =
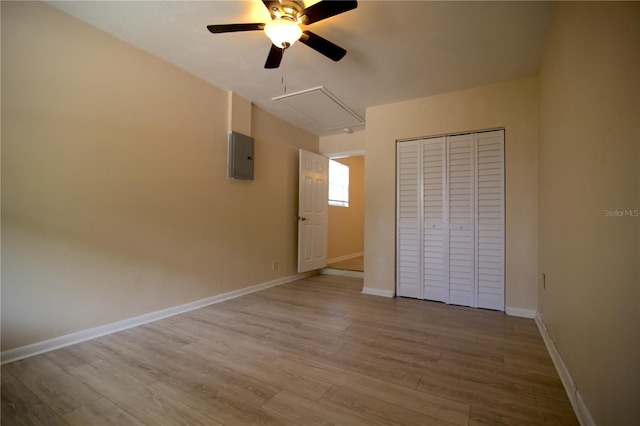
(322, 107)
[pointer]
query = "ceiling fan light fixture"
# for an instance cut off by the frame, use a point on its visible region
(282, 32)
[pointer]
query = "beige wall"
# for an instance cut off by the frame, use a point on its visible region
(115, 201)
(588, 154)
(512, 105)
(346, 224)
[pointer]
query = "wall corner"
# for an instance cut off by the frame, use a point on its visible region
(239, 118)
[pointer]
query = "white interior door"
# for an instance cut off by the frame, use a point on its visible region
(313, 201)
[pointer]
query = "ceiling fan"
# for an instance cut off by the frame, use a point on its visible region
(284, 28)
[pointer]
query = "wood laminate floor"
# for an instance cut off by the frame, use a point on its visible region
(315, 351)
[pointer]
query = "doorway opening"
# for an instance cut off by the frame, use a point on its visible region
(345, 242)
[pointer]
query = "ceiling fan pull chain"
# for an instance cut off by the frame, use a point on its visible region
(284, 71)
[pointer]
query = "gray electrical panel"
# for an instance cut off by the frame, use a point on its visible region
(240, 157)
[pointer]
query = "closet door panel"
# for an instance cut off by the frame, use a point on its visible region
(460, 173)
(434, 232)
(490, 220)
(409, 255)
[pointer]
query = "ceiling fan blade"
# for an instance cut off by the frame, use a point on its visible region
(273, 6)
(325, 9)
(274, 58)
(322, 45)
(232, 28)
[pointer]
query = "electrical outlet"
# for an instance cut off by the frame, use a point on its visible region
(274, 266)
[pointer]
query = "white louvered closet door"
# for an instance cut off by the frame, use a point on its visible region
(450, 219)
(461, 219)
(408, 182)
(434, 232)
(490, 219)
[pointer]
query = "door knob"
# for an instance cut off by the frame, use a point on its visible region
(302, 218)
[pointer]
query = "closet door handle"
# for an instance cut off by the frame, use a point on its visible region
(302, 218)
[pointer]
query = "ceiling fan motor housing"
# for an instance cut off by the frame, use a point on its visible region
(291, 9)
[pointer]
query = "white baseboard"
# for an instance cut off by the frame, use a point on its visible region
(378, 292)
(345, 257)
(581, 410)
(92, 333)
(519, 312)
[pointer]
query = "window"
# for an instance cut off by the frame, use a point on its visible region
(338, 184)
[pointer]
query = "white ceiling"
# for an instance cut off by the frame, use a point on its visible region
(396, 50)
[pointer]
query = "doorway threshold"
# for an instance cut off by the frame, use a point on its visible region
(342, 273)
